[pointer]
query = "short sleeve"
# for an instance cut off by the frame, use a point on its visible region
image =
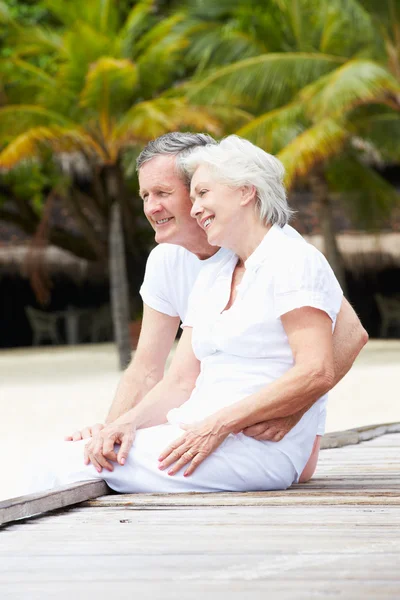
(305, 278)
(154, 289)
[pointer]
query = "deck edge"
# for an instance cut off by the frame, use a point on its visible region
(349, 437)
(23, 507)
(32, 505)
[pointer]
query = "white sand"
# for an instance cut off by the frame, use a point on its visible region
(48, 393)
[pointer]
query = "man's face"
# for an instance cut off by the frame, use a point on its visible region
(166, 202)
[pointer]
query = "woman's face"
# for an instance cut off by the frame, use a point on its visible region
(217, 208)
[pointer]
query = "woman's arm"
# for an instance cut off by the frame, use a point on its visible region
(349, 338)
(309, 333)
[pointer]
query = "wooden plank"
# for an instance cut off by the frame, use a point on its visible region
(140, 501)
(338, 439)
(35, 504)
(357, 474)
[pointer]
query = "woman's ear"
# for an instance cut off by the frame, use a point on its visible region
(249, 193)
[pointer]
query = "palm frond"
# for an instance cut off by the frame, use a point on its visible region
(160, 58)
(109, 89)
(368, 197)
(274, 130)
(17, 118)
(270, 78)
(150, 119)
(83, 46)
(213, 45)
(137, 22)
(29, 145)
(347, 28)
(355, 83)
(21, 71)
(34, 41)
(101, 15)
(157, 34)
(66, 12)
(382, 131)
(315, 145)
(5, 15)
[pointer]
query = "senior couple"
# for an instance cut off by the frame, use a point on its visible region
(266, 334)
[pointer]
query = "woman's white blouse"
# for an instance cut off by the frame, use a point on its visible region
(245, 348)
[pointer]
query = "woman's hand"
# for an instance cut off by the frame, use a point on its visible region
(100, 449)
(198, 442)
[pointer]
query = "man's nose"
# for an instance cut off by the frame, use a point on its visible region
(152, 205)
(197, 209)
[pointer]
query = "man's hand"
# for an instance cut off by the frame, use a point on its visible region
(275, 429)
(85, 433)
(100, 449)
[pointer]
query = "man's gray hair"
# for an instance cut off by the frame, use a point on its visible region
(237, 162)
(176, 143)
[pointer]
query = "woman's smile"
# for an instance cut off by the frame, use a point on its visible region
(206, 223)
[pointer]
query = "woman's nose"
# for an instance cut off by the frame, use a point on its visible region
(196, 209)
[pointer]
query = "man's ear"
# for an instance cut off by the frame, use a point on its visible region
(249, 194)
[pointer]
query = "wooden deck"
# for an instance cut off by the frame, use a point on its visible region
(335, 537)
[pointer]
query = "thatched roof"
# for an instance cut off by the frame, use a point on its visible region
(362, 251)
(21, 259)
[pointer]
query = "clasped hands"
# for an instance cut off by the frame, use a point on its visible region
(198, 442)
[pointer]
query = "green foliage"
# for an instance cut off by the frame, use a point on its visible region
(307, 79)
(368, 197)
(31, 182)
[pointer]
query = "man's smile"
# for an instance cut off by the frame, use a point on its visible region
(163, 221)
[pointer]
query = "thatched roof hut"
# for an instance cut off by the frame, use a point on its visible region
(22, 259)
(365, 251)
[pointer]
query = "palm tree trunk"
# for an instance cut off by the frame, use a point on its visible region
(320, 192)
(119, 290)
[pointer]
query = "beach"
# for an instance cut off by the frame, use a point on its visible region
(49, 392)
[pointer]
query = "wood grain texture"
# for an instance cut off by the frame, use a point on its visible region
(35, 504)
(337, 536)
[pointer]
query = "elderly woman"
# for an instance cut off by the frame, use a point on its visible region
(258, 336)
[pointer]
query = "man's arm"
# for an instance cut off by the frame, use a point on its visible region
(171, 392)
(146, 369)
(147, 366)
(349, 337)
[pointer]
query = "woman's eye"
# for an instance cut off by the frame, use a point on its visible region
(202, 192)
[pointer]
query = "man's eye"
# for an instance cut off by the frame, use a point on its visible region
(202, 193)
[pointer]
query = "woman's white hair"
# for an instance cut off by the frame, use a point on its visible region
(237, 162)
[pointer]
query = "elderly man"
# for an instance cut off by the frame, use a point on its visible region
(171, 271)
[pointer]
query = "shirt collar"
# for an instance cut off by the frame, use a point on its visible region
(264, 249)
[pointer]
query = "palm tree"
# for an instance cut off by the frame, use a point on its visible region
(321, 83)
(101, 91)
